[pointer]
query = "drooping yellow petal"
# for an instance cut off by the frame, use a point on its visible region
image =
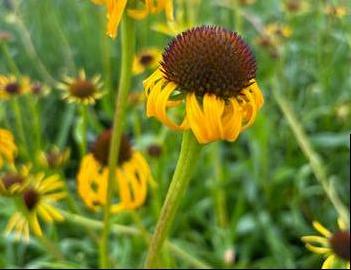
(232, 120)
(318, 250)
(321, 229)
(115, 12)
(329, 262)
(315, 239)
(34, 224)
(157, 102)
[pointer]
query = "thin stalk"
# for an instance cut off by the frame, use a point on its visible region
(84, 115)
(219, 192)
(314, 159)
(65, 125)
(188, 156)
(51, 247)
(12, 65)
(19, 126)
(128, 230)
(32, 103)
(128, 39)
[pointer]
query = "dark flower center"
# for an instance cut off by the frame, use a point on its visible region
(37, 88)
(209, 59)
(10, 179)
(146, 59)
(340, 243)
(53, 158)
(82, 89)
(101, 148)
(154, 150)
(12, 88)
(31, 198)
(293, 5)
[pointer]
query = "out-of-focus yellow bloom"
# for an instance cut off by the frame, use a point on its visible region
(36, 200)
(278, 30)
(296, 7)
(39, 89)
(116, 8)
(132, 176)
(81, 90)
(8, 148)
(336, 11)
(334, 246)
(10, 86)
(146, 59)
(272, 36)
(221, 94)
(14, 181)
(54, 158)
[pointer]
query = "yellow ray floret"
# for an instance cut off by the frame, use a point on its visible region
(116, 8)
(132, 178)
(210, 117)
(8, 148)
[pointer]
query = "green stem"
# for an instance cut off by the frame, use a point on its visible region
(127, 35)
(12, 65)
(33, 105)
(51, 247)
(19, 126)
(314, 159)
(189, 153)
(84, 115)
(65, 125)
(219, 192)
(128, 230)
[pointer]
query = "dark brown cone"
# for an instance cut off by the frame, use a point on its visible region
(12, 88)
(101, 148)
(9, 179)
(146, 59)
(82, 89)
(30, 198)
(209, 59)
(340, 243)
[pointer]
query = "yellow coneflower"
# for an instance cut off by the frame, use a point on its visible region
(8, 148)
(132, 175)
(272, 36)
(54, 158)
(214, 71)
(336, 11)
(296, 6)
(116, 8)
(80, 89)
(334, 246)
(12, 182)
(39, 89)
(10, 86)
(146, 59)
(36, 200)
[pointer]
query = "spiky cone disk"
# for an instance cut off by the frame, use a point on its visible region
(214, 71)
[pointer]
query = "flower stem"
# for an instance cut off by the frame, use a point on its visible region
(189, 153)
(127, 35)
(129, 230)
(20, 127)
(314, 159)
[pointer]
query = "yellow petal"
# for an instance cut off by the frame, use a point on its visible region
(329, 262)
(115, 12)
(321, 229)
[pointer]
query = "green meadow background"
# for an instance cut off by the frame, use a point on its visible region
(250, 201)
